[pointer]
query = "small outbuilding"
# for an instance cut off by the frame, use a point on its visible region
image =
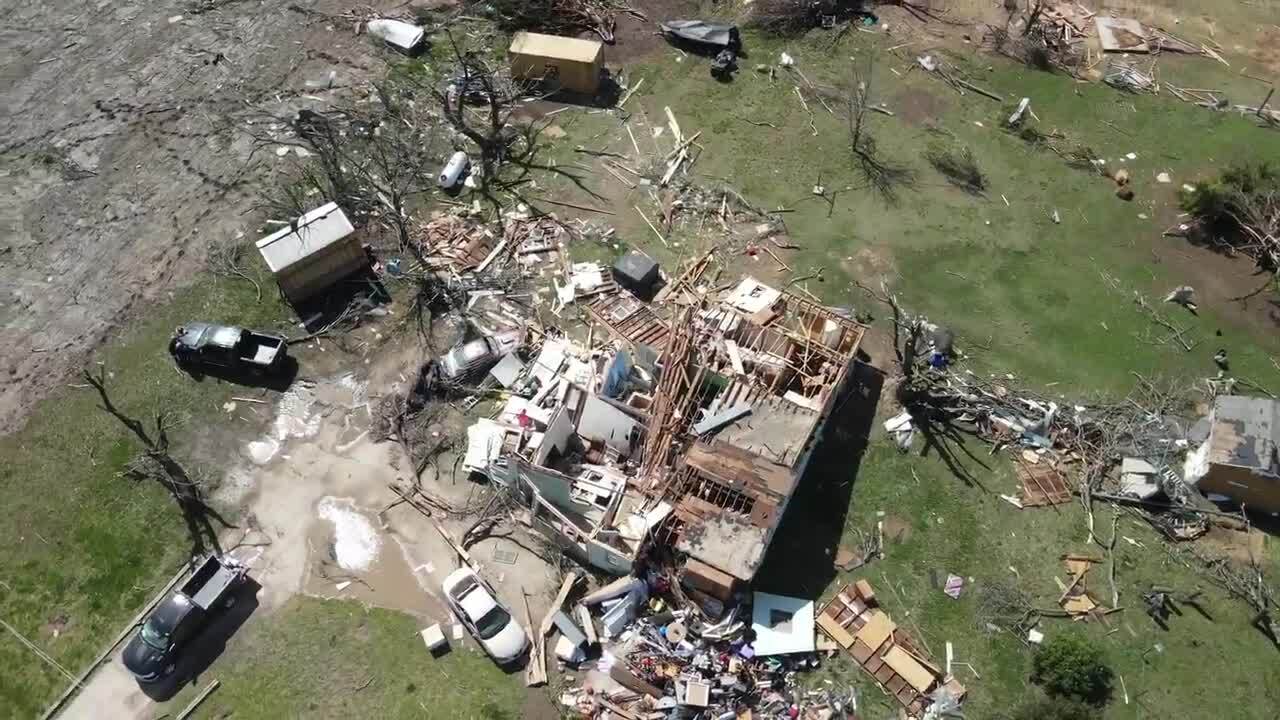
(313, 253)
(575, 64)
(1239, 459)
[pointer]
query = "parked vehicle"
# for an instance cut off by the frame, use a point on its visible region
(203, 344)
(472, 357)
(477, 606)
(153, 652)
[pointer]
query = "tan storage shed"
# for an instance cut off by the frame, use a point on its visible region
(314, 254)
(576, 63)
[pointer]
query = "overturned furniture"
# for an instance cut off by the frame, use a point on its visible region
(1240, 459)
(315, 252)
(570, 63)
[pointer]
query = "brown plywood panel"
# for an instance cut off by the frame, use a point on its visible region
(913, 672)
(861, 652)
(878, 629)
(835, 631)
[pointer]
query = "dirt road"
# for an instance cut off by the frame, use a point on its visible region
(123, 155)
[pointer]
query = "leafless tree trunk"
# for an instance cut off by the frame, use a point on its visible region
(884, 176)
(156, 463)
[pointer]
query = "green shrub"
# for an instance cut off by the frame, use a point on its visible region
(1071, 667)
(1234, 197)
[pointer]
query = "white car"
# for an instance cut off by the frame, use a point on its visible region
(477, 606)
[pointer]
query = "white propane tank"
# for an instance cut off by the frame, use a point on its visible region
(452, 172)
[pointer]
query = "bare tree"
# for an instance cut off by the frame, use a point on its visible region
(157, 464)
(883, 175)
(560, 16)
(508, 153)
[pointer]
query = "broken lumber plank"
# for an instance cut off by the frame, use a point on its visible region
(675, 165)
(650, 224)
(980, 91)
(588, 624)
(549, 618)
(586, 208)
(735, 357)
(630, 91)
(630, 681)
(617, 588)
(671, 122)
(535, 673)
(723, 418)
(684, 145)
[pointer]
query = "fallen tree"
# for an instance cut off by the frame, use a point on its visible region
(1239, 211)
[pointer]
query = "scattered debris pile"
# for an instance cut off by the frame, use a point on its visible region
(1045, 36)
(659, 654)
(457, 244)
(566, 17)
(1076, 599)
(854, 620)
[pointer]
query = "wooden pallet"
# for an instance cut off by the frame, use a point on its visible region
(627, 317)
(854, 620)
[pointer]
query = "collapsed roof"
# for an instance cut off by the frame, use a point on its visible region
(690, 428)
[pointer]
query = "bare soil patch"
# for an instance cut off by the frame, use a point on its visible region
(918, 107)
(123, 158)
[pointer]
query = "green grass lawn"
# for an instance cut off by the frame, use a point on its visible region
(1007, 274)
(1007, 277)
(338, 659)
(84, 545)
(954, 529)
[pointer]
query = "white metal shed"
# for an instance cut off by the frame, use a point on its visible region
(314, 253)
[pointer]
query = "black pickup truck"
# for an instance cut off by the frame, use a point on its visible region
(203, 344)
(153, 652)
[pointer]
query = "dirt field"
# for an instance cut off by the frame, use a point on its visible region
(123, 158)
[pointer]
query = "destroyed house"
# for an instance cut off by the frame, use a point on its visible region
(1239, 458)
(747, 386)
(691, 431)
(562, 450)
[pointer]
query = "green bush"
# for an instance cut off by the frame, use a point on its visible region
(1071, 667)
(1045, 708)
(1218, 204)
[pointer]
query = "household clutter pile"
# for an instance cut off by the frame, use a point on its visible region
(659, 655)
(623, 450)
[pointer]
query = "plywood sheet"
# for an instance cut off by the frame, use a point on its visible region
(835, 631)
(1121, 34)
(916, 675)
(878, 629)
